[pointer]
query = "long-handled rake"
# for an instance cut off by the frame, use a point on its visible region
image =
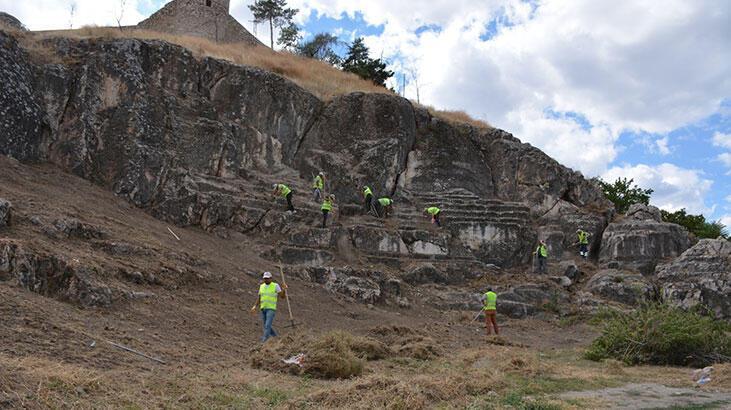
(292, 323)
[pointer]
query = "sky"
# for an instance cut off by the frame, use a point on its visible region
(635, 89)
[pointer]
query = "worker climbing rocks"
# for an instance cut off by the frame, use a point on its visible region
(286, 193)
(542, 255)
(318, 186)
(327, 207)
(269, 293)
(368, 199)
(583, 242)
(384, 206)
(434, 212)
(490, 309)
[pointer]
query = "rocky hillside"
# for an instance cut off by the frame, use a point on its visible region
(198, 143)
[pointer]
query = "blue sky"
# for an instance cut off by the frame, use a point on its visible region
(637, 89)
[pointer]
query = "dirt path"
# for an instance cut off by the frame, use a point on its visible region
(653, 396)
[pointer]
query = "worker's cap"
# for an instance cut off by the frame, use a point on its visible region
(320, 173)
(274, 185)
(267, 275)
(578, 230)
(332, 196)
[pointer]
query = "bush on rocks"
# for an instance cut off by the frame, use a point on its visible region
(660, 334)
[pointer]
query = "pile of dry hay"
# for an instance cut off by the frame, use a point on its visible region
(339, 354)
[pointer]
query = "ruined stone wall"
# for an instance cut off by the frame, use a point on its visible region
(198, 18)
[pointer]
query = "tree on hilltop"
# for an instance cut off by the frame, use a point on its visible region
(623, 193)
(289, 37)
(321, 48)
(359, 61)
(275, 12)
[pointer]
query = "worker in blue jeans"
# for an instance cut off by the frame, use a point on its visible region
(269, 293)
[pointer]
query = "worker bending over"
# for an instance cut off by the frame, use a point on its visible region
(286, 193)
(384, 206)
(434, 212)
(368, 199)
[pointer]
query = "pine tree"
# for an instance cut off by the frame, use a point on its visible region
(321, 48)
(358, 61)
(289, 37)
(273, 11)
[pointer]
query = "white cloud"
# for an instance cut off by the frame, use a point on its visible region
(726, 221)
(662, 146)
(621, 65)
(722, 140)
(725, 159)
(674, 187)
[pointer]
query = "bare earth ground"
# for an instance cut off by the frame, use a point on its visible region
(195, 317)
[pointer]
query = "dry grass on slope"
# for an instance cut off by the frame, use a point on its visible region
(315, 76)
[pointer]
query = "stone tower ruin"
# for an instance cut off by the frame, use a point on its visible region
(201, 18)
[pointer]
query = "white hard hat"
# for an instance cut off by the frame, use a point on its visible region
(267, 275)
(274, 186)
(321, 173)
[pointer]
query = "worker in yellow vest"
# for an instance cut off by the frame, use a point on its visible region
(266, 301)
(286, 193)
(583, 242)
(490, 309)
(326, 208)
(542, 255)
(434, 212)
(384, 206)
(318, 186)
(368, 199)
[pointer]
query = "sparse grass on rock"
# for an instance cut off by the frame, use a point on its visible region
(660, 334)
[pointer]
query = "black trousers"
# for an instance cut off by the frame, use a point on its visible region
(436, 219)
(324, 217)
(290, 207)
(367, 203)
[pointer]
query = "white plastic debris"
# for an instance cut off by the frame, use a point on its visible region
(702, 376)
(295, 359)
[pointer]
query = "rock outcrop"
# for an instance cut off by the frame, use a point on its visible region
(198, 142)
(11, 22)
(5, 213)
(641, 239)
(623, 287)
(701, 276)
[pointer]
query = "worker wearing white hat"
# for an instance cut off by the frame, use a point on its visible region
(269, 293)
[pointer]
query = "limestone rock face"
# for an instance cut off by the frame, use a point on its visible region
(623, 287)
(52, 277)
(199, 142)
(11, 22)
(700, 276)
(5, 212)
(641, 240)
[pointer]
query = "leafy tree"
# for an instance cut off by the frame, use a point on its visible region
(359, 61)
(696, 224)
(623, 194)
(289, 37)
(273, 11)
(321, 48)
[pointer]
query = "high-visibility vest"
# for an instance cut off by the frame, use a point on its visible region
(367, 191)
(284, 190)
(385, 201)
(490, 301)
(583, 238)
(433, 210)
(327, 205)
(542, 251)
(268, 296)
(319, 183)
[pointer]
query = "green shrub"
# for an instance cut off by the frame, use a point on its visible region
(660, 334)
